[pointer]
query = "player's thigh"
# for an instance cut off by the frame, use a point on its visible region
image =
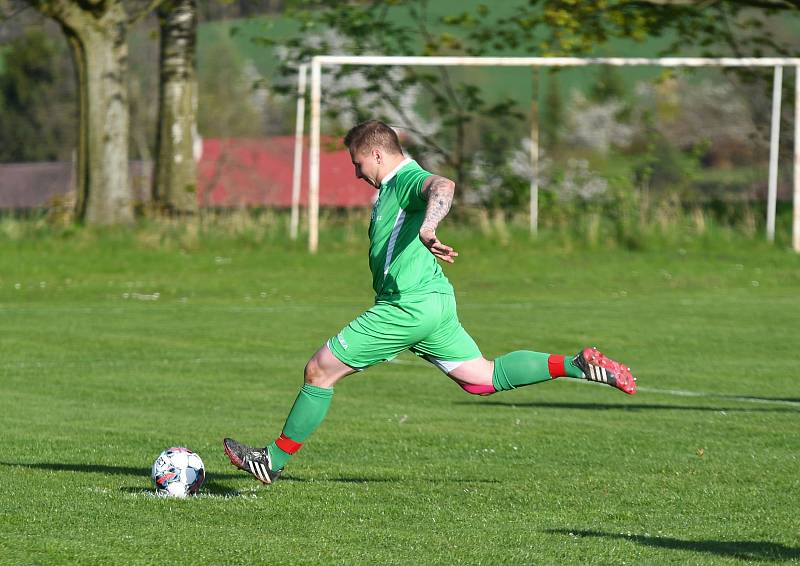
(380, 334)
(449, 346)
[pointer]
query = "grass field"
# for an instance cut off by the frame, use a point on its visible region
(116, 347)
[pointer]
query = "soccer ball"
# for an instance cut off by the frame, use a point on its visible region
(178, 472)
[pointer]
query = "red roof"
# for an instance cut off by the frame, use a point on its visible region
(231, 173)
(258, 172)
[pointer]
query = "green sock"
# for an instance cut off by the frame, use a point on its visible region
(571, 369)
(524, 367)
(307, 414)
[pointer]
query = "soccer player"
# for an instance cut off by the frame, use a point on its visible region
(415, 308)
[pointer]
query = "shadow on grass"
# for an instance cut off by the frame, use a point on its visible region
(209, 488)
(98, 469)
(744, 550)
(145, 472)
(631, 407)
(337, 480)
(366, 480)
(210, 484)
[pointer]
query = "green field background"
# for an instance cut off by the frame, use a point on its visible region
(98, 375)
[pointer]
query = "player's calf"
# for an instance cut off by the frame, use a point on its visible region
(473, 389)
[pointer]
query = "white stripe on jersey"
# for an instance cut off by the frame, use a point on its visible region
(398, 223)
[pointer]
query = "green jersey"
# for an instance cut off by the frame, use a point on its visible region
(401, 265)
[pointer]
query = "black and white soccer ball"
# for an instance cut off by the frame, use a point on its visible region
(178, 472)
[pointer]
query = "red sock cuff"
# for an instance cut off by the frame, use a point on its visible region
(555, 365)
(287, 444)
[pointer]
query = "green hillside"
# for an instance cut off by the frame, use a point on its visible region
(496, 83)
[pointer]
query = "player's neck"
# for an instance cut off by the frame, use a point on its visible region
(390, 166)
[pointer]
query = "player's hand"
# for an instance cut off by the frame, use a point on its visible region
(437, 248)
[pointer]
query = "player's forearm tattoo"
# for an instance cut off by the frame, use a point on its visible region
(440, 197)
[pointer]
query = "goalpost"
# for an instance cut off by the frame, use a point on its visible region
(316, 96)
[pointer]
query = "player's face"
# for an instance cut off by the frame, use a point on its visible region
(366, 165)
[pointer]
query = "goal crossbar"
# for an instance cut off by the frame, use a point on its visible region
(554, 61)
(316, 96)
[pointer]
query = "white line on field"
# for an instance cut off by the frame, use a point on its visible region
(675, 392)
(684, 393)
(419, 363)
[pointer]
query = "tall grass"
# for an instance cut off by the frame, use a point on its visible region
(634, 224)
(624, 222)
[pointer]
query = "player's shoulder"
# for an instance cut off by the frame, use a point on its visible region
(412, 171)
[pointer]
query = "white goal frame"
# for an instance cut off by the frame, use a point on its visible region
(316, 96)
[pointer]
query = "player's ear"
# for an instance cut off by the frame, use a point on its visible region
(377, 155)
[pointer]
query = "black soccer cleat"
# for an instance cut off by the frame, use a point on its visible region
(254, 461)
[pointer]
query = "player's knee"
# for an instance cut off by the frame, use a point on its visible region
(477, 389)
(313, 374)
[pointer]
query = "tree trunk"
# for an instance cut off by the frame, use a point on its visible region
(80, 185)
(175, 179)
(97, 37)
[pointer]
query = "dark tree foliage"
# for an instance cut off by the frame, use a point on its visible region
(570, 27)
(228, 9)
(36, 93)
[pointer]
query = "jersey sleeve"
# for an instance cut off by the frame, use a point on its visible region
(409, 189)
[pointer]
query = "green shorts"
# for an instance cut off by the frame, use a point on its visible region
(427, 325)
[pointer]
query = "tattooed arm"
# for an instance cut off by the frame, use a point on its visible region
(439, 193)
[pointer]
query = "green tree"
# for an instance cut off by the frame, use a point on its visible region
(389, 27)
(38, 122)
(608, 85)
(535, 27)
(228, 102)
(574, 27)
(97, 34)
(554, 112)
(96, 31)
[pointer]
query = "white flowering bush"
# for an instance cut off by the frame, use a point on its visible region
(580, 182)
(597, 125)
(687, 114)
